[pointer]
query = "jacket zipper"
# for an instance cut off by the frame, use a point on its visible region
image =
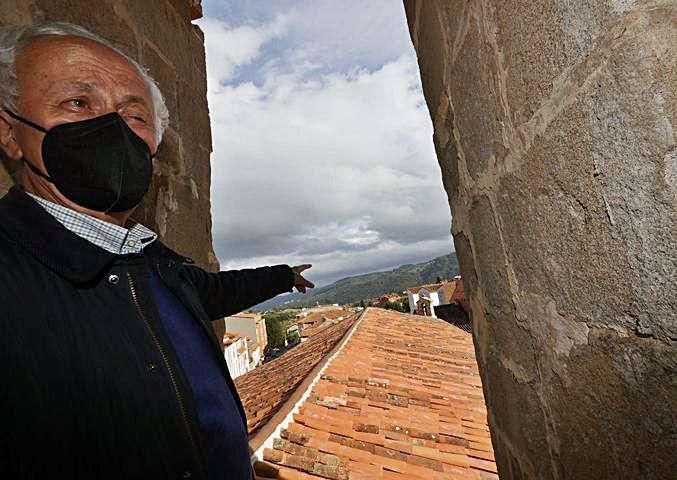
(208, 332)
(165, 359)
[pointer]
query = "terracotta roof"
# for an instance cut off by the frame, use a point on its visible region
(312, 318)
(265, 389)
(246, 315)
(432, 287)
(231, 337)
(336, 314)
(319, 317)
(315, 329)
(404, 405)
(384, 299)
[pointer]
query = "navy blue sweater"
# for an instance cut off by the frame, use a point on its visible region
(223, 432)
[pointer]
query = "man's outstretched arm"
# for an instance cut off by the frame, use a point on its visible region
(229, 292)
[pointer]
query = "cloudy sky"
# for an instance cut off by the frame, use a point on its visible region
(322, 140)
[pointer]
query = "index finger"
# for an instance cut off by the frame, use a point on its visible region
(300, 268)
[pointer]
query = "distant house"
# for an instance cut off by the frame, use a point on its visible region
(305, 311)
(310, 321)
(318, 321)
(431, 294)
(236, 353)
(252, 325)
(383, 300)
(424, 298)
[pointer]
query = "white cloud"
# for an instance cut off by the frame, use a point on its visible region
(332, 266)
(229, 48)
(353, 233)
(319, 165)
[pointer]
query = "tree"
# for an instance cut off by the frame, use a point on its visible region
(293, 338)
(400, 304)
(277, 323)
(405, 305)
(275, 332)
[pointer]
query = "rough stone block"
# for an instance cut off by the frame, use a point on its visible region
(429, 36)
(160, 24)
(103, 20)
(183, 8)
(477, 107)
(539, 40)
(164, 74)
(529, 456)
(193, 122)
(16, 12)
(489, 257)
(447, 152)
(169, 158)
(623, 387)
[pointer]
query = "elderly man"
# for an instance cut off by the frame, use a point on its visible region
(110, 368)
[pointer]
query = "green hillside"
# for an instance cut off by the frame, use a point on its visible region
(354, 289)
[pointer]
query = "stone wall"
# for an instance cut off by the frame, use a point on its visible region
(554, 133)
(159, 34)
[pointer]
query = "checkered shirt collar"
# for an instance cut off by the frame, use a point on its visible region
(112, 238)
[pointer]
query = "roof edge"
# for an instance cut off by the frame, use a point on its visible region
(264, 436)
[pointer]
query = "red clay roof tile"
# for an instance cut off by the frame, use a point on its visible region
(264, 389)
(402, 399)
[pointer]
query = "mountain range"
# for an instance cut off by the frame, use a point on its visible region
(369, 285)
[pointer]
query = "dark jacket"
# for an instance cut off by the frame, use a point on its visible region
(91, 387)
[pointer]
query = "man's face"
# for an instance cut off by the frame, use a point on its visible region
(69, 79)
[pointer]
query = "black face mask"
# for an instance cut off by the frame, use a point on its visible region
(99, 164)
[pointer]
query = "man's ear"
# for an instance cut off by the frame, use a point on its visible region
(7, 141)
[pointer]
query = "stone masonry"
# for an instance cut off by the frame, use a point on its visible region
(554, 133)
(159, 34)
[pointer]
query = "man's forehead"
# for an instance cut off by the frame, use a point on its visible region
(62, 44)
(69, 51)
(61, 56)
(82, 85)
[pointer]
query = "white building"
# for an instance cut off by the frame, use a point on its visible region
(236, 353)
(423, 291)
(430, 296)
(252, 325)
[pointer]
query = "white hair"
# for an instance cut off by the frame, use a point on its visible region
(14, 38)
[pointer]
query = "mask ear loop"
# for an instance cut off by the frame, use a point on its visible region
(23, 120)
(33, 168)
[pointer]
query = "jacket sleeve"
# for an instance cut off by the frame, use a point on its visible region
(229, 292)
